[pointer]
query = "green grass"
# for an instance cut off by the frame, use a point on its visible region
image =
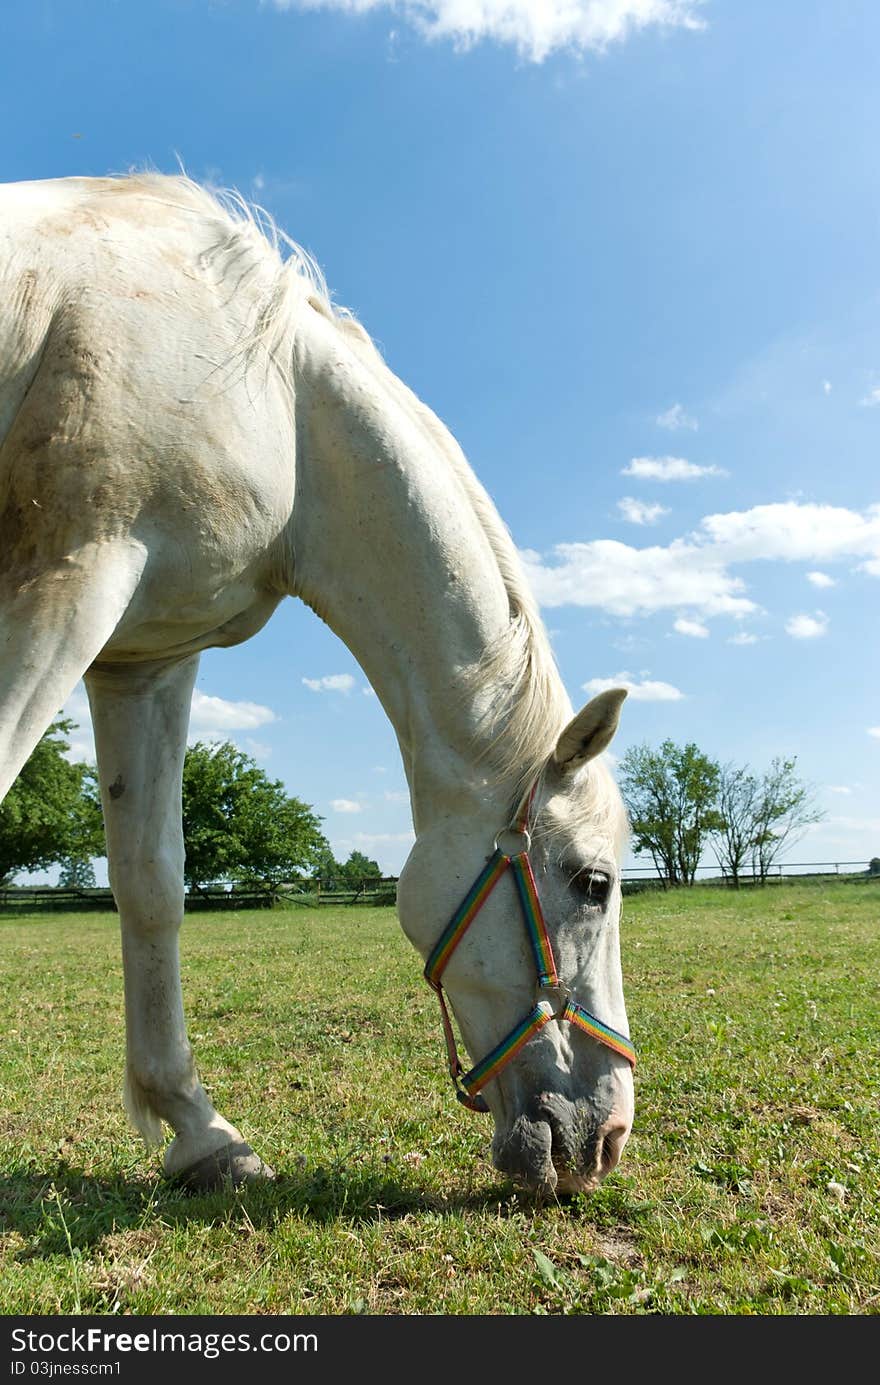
(751, 1183)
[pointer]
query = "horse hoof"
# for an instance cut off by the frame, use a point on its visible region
(230, 1165)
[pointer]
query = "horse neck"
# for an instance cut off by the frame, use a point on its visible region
(392, 554)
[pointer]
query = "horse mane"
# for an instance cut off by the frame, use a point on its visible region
(520, 729)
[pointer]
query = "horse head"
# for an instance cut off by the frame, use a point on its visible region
(518, 922)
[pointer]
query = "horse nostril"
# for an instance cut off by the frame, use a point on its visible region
(614, 1138)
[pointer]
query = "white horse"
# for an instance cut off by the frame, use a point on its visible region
(190, 431)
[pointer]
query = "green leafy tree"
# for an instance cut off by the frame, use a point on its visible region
(52, 812)
(359, 867)
(239, 825)
(739, 797)
(784, 809)
(77, 874)
(337, 875)
(326, 868)
(761, 816)
(671, 798)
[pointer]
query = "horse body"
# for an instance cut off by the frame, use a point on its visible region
(114, 418)
(190, 432)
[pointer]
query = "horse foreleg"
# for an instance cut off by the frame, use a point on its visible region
(140, 715)
(52, 625)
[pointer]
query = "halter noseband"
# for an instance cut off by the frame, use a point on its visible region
(553, 999)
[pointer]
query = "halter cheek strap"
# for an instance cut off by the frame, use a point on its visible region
(512, 853)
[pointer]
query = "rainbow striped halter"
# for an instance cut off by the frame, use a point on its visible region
(553, 999)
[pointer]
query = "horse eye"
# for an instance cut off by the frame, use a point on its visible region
(593, 885)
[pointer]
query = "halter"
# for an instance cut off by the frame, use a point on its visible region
(552, 1000)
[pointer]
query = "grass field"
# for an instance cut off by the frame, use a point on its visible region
(751, 1183)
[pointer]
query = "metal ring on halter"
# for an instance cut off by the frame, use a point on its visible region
(556, 996)
(522, 837)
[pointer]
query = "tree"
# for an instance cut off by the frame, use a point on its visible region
(784, 809)
(241, 826)
(336, 875)
(77, 874)
(325, 866)
(760, 817)
(359, 867)
(52, 811)
(738, 802)
(670, 796)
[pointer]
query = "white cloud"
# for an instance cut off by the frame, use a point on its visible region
(695, 572)
(345, 805)
(639, 512)
(872, 398)
(826, 386)
(694, 628)
(627, 581)
(874, 731)
(213, 714)
(79, 738)
(676, 418)
(847, 839)
(794, 532)
(81, 746)
(535, 28)
(744, 637)
(77, 705)
(839, 788)
(390, 849)
(259, 749)
(668, 469)
(803, 627)
(646, 691)
(211, 719)
(396, 796)
(821, 579)
(331, 682)
(850, 824)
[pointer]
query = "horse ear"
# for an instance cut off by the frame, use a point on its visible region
(587, 734)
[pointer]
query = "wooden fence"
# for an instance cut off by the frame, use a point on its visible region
(38, 899)
(383, 890)
(637, 878)
(52, 899)
(370, 889)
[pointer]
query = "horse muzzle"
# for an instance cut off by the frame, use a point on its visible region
(558, 1147)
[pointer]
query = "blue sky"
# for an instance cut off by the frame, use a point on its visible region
(627, 250)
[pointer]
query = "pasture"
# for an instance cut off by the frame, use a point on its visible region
(750, 1185)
